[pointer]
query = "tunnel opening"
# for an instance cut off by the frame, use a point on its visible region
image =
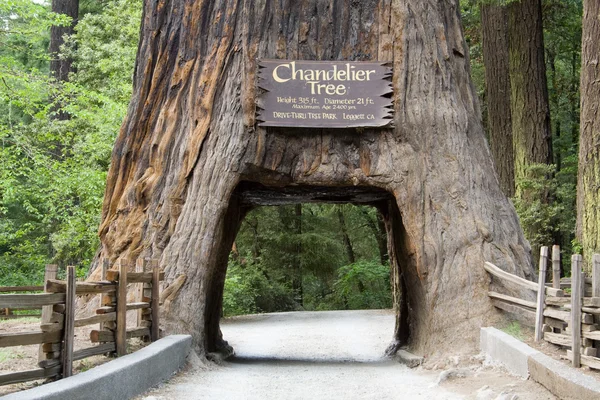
(346, 266)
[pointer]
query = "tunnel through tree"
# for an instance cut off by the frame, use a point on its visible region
(191, 157)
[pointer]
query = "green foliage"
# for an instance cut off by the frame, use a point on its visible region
(278, 246)
(364, 285)
(514, 330)
(546, 206)
(562, 40)
(53, 172)
(249, 290)
(9, 354)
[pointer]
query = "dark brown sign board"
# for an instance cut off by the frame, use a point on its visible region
(324, 94)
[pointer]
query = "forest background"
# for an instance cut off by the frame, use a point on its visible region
(65, 84)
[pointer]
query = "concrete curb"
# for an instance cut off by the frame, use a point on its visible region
(123, 378)
(520, 359)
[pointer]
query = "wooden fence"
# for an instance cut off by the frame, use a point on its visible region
(58, 320)
(8, 312)
(566, 311)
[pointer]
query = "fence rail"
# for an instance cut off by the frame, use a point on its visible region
(7, 311)
(567, 310)
(56, 332)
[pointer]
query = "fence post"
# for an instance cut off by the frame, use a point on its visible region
(576, 286)
(104, 299)
(69, 329)
(154, 305)
(50, 273)
(140, 266)
(541, 297)
(556, 266)
(596, 275)
(121, 332)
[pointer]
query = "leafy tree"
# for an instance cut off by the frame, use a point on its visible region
(53, 172)
(264, 266)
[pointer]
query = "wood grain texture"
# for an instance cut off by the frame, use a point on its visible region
(29, 375)
(26, 338)
(522, 314)
(69, 331)
(511, 299)
(541, 294)
(4, 289)
(575, 322)
(121, 308)
(189, 152)
(30, 300)
(155, 330)
(556, 266)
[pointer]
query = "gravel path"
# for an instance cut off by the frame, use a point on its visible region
(332, 355)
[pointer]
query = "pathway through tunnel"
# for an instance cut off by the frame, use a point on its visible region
(312, 297)
(330, 355)
(310, 258)
(295, 338)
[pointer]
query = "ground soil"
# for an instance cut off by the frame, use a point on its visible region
(333, 355)
(22, 358)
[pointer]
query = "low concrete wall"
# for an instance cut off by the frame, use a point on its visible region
(507, 350)
(123, 378)
(560, 379)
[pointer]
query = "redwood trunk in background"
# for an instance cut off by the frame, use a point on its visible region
(494, 25)
(588, 196)
(190, 160)
(60, 68)
(532, 135)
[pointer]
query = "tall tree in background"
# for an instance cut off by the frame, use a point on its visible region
(532, 135)
(297, 276)
(60, 67)
(588, 196)
(494, 24)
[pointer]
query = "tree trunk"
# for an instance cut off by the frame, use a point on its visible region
(345, 237)
(61, 67)
(588, 179)
(190, 159)
(379, 232)
(532, 135)
(494, 25)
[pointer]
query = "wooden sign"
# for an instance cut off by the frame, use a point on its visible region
(324, 94)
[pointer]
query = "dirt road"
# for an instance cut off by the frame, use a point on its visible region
(333, 355)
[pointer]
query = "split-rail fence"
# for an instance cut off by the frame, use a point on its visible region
(565, 312)
(58, 318)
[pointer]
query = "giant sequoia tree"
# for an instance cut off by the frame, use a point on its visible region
(190, 160)
(588, 196)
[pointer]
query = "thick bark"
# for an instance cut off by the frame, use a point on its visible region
(588, 195)
(494, 24)
(190, 159)
(532, 135)
(61, 67)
